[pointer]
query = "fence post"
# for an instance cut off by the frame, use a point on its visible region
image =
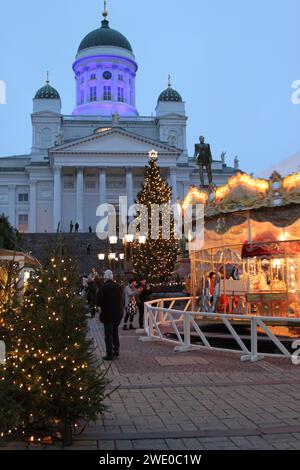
(161, 314)
(187, 330)
(254, 354)
(186, 346)
(150, 322)
(148, 325)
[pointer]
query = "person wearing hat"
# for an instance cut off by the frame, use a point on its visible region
(110, 300)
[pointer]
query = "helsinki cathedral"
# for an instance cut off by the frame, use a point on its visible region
(98, 152)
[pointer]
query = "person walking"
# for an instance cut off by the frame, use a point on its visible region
(84, 284)
(131, 294)
(76, 227)
(143, 298)
(110, 300)
(91, 294)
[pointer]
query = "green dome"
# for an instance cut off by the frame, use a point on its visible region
(105, 36)
(47, 92)
(170, 95)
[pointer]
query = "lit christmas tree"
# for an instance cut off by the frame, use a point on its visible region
(70, 386)
(155, 259)
(51, 373)
(12, 397)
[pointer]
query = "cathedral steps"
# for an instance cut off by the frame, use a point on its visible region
(39, 245)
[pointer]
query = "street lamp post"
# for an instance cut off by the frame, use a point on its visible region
(112, 259)
(128, 240)
(122, 259)
(101, 258)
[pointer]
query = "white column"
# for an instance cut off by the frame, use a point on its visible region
(32, 206)
(173, 181)
(57, 198)
(79, 198)
(102, 186)
(186, 187)
(129, 186)
(12, 204)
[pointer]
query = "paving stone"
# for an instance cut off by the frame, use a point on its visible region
(150, 444)
(191, 444)
(106, 445)
(85, 444)
(175, 444)
(124, 445)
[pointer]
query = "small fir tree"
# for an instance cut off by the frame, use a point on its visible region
(71, 385)
(51, 374)
(12, 396)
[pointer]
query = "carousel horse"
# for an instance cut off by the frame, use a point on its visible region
(231, 272)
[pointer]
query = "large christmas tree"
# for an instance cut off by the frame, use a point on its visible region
(155, 259)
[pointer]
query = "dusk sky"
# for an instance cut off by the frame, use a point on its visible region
(232, 61)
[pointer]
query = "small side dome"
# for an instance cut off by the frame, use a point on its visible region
(170, 94)
(47, 92)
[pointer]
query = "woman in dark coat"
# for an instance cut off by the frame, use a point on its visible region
(91, 294)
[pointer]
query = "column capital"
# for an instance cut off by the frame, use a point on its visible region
(12, 186)
(80, 168)
(57, 168)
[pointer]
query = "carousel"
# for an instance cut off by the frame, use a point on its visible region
(249, 261)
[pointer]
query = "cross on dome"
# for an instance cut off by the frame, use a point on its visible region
(105, 13)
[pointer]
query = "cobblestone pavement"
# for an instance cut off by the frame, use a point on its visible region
(193, 401)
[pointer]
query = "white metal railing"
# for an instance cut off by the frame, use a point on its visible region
(162, 320)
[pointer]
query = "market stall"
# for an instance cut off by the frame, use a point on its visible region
(25, 265)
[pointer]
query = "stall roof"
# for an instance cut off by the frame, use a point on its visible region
(11, 255)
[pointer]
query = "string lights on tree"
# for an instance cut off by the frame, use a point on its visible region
(155, 257)
(50, 365)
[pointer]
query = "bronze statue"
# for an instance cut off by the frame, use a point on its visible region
(204, 160)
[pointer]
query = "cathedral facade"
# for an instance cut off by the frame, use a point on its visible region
(98, 152)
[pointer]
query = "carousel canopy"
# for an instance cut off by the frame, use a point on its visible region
(244, 193)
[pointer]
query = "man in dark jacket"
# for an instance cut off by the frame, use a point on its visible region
(110, 300)
(91, 294)
(143, 298)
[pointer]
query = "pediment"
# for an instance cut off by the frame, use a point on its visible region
(115, 140)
